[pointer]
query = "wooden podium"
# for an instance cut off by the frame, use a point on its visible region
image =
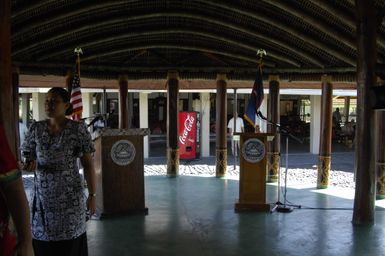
(120, 171)
(252, 179)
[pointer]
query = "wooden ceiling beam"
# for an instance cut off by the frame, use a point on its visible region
(160, 56)
(109, 52)
(302, 37)
(81, 31)
(343, 17)
(344, 39)
(126, 37)
(146, 69)
(296, 52)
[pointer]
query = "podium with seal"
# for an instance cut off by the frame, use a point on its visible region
(120, 171)
(253, 172)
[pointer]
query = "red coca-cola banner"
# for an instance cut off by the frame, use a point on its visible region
(187, 135)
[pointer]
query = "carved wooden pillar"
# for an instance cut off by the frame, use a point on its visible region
(273, 155)
(172, 124)
(380, 153)
(130, 106)
(325, 148)
(366, 27)
(7, 95)
(221, 126)
(123, 106)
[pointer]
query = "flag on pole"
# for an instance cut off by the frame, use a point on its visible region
(256, 98)
(76, 94)
(76, 98)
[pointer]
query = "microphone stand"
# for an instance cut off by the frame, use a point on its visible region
(278, 206)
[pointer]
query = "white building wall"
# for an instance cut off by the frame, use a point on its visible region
(315, 123)
(143, 120)
(24, 106)
(38, 109)
(205, 124)
(87, 105)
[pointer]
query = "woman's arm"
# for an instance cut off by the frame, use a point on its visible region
(89, 174)
(18, 206)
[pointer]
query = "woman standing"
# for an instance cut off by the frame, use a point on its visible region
(58, 207)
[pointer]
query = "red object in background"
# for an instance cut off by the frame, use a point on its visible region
(187, 138)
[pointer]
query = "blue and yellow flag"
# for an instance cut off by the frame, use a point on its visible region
(256, 98)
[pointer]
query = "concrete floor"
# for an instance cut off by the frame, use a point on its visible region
(195, 216)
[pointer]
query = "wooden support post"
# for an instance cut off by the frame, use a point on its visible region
(172, 124)
(380, 153)
(130, 106)
(221, 126)
(123, 106)
(7, 95)
(366, 27)
(325, 148)
(273, 154)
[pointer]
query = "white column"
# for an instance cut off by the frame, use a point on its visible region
(205, 124)
(38, 109)
(24, 116)
(315, 123)
(24, 106)
(87, 105)
(143, 119)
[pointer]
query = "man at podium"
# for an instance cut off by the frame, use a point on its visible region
(236, 126)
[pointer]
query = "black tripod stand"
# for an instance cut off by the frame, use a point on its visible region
(278, 206)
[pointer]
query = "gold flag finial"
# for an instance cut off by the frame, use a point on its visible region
(78, 51)
(261, 53)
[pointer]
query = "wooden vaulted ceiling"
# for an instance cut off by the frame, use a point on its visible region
(199, 38)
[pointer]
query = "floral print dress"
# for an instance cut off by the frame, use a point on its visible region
(58, 210)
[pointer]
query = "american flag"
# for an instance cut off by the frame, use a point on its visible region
(256, 98)
(76, 98)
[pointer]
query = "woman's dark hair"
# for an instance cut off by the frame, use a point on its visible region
(63, 93)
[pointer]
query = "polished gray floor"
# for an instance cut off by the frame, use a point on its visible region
(195, 216)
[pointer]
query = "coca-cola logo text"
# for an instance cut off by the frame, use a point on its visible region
(188, 124)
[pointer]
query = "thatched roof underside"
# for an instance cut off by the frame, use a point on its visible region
(200, 38)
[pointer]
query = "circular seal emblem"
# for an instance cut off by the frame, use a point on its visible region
(123, 152)
(253, 150)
